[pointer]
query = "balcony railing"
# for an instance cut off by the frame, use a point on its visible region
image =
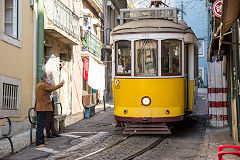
(91, 44)
(97, 4)
(61, 16)
(100, 3)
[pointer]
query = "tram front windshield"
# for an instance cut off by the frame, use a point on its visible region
(123, 63)
(146, 57)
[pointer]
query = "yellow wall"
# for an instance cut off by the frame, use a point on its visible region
(18, 62)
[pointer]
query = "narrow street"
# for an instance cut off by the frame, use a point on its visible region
(120, 79)
(85, 138)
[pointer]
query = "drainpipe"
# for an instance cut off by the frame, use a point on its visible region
(229, 94)
(40, 39)
(35, 14)
(208, 25)
(236, 72)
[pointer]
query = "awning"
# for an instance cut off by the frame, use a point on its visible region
(230, 13)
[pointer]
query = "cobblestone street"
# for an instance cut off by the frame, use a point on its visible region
(120, 80)
(87, 138)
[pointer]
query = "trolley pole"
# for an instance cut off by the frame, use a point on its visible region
(181, 10)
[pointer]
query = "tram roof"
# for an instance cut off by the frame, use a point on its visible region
(152, 25)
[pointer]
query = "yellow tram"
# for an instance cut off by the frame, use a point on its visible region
(155, 65)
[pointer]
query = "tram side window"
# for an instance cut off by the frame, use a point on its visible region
(171, 57)
(123, 61)
(146, 52)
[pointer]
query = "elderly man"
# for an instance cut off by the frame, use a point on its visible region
(43, 105)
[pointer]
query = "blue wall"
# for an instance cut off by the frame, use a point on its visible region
(195, 14)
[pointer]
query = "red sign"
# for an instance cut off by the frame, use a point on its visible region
(217, 8)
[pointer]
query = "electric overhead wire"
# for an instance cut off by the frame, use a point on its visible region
(188, 3)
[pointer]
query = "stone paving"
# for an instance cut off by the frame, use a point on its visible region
(191, 139)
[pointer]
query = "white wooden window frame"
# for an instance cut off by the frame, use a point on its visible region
(202, 70)
(16, 39)
(114, 59)
(201, 41)
(13, 81)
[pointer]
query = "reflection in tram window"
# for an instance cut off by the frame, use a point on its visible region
(171, 57)
(123, 61)
(146, 57)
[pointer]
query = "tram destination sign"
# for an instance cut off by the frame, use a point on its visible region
(146, 13)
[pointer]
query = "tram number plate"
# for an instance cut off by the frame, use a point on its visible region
(142, 14)
(145, 35)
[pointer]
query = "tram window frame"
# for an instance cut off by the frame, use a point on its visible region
(156, 54)
(116, 58)
(180, 68)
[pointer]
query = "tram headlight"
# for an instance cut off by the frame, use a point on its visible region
(146, 101)
(167, 112)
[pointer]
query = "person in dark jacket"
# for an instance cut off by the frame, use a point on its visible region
(43, 104)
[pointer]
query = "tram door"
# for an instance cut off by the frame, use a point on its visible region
(186, 100)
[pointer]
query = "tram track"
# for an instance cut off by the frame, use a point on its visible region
(114, 147)
(157, 142)
(105, 148)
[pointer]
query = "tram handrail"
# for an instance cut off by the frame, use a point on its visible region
(9, 132)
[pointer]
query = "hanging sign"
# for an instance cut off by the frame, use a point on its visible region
(217, 8)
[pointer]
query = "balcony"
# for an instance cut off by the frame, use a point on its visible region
(97, 5)
(61, 23)
(91, 44)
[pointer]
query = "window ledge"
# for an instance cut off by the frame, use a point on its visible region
(10, 113)
(11, 40)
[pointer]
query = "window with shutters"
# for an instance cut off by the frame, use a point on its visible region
(11, 21)
(200, 45)
(9, 97)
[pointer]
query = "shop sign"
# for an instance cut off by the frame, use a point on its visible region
(217, 8)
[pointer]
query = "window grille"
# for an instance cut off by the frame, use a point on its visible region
(10, 96)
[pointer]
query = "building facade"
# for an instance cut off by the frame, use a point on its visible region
(72, 34)
(17, 20)
(196, 14)
(61, 33)
(225, 48)
(17, 63)
(91, 23)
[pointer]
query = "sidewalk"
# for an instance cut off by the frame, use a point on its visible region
(213, 138)
(22, 141)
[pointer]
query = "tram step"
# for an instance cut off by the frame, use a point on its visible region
(159, 128)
